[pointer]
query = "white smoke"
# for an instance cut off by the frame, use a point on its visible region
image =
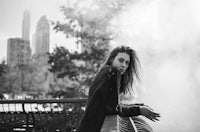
(166, 35)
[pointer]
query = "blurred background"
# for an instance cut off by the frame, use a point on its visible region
(53, 48)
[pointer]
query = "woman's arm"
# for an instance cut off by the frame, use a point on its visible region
(137, 109)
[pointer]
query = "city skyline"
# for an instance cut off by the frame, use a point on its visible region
(11, 14)
(19, 50)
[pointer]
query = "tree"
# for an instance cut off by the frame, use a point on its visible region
(11, 81)
(3, 71)
(90, 25)
(63, 63)
(3, 68)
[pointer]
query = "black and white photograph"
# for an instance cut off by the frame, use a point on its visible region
(99, 65)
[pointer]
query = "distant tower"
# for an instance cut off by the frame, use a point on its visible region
(26, 25)
(33, 44)
(42, 36)
(18, 51)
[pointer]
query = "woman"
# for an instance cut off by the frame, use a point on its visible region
(115, 77)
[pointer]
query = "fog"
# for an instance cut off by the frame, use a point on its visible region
(166, 35)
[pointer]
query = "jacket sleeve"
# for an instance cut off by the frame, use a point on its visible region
(128, 110)
(95, 111)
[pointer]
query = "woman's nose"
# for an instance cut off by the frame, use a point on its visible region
(124, 64)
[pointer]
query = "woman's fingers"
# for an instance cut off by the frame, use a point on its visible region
(154, 116)
(151, 118)
(149, 113)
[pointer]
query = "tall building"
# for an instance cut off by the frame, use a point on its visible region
(33, 44)
(18, 51)
(26, 25)
(42, 36)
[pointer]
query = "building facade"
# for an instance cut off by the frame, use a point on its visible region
(42, 36)
(18, 51)
(26, 25)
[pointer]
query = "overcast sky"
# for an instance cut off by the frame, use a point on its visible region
(11, 16)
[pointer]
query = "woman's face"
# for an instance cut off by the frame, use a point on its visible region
(121, 61)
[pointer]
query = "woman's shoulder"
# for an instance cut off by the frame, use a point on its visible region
(106, 74)
(108, 70)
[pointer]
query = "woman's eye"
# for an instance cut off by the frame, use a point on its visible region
(127, 63)
(121, 60)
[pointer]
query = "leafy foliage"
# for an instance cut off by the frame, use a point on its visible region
(90, 25)
(3, 71)
(58, 60)
(3, 68)
(74, 65)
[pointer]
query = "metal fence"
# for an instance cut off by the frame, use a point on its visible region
(60, 115)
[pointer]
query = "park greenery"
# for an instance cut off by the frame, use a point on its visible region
(68, 74)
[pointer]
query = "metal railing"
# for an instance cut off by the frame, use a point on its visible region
(60, 115)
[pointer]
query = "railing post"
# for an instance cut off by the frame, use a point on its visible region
(27, 115)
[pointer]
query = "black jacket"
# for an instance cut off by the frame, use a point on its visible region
(102, 100)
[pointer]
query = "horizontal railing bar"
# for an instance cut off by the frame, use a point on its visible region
(67, 100)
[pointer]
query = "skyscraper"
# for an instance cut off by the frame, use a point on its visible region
(26, 25)
(33, 44)
(18, 51)
(42, 36)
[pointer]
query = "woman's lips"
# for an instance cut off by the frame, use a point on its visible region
(121, 70)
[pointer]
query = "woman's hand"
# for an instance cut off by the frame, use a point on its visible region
(149, 113)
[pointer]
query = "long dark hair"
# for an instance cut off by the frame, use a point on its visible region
(132, 71)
